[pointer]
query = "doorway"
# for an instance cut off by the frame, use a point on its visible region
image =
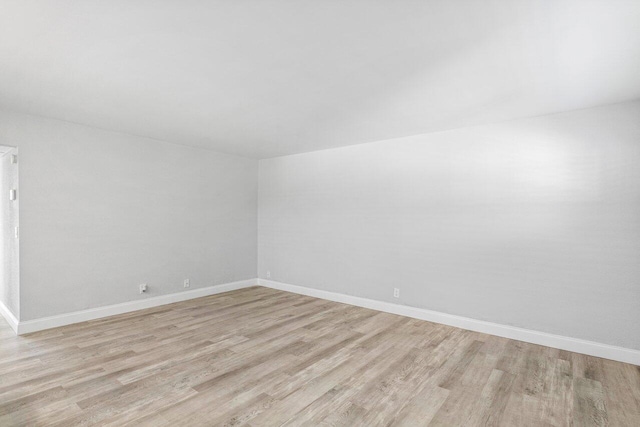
(9, 235)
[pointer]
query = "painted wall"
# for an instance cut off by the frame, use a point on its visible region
(102, 212)
(532, 223)
(9, 248)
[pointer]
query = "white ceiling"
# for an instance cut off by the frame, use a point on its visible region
(271, 77)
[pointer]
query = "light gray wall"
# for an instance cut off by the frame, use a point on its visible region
(102, 212)
(9, 248)
(533, 223)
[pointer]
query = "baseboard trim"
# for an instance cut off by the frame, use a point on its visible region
(43, 323)
(576, 345)
(9, 317)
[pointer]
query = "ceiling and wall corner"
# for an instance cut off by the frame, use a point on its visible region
(269, 78)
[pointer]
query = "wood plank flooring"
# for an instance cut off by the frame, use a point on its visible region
(262, 357)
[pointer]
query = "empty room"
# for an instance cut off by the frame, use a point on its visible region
(320, 213)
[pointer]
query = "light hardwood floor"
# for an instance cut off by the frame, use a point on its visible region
(263, 357)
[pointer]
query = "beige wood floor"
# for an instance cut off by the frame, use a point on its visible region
(262, 357)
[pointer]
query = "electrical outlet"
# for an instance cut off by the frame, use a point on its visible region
(396, 292)
(143, 288)
(187, 283)
(268, 275)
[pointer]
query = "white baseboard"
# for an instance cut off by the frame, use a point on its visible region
(29, 326)
(576, 345)
(9, 317)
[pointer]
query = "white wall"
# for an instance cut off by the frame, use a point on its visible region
(9, 248)
(102, 212)
(532, 223)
